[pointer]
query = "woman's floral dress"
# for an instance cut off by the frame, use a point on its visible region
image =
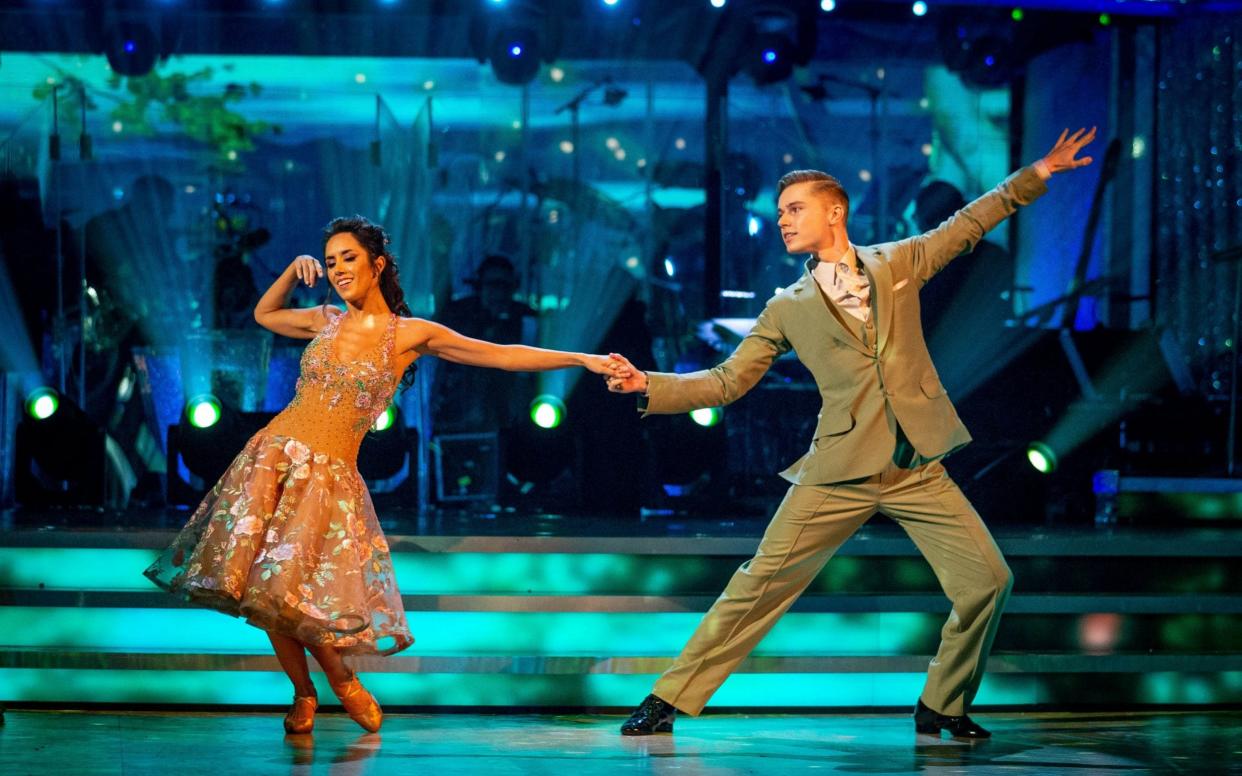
(288, 538)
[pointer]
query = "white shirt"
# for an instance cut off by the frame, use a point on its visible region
(845, 284)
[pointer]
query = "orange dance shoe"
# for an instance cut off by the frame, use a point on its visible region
(301, 718)
(360, 704)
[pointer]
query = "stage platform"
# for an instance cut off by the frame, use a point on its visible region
(572, 612)
(118, 744)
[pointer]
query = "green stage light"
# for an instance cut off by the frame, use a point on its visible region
(42, 403)
(203, 411)
(385, 420)
(1042, 457)
(1016, 14)
(547, 411)
(707, 416)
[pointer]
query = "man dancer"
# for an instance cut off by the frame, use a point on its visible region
(853, 319)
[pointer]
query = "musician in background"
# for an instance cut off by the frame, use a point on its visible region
(491, 312)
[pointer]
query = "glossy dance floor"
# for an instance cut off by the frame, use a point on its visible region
(54, 742)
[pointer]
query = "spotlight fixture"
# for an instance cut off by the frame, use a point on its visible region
(203, 411)
(132, 38)
(779, 39)
(1042, 457)
(132, 48)
(689, 454)
(201, 447)
(515, 37)
(982, 48)
(385, 420)
(707, 416)
(60, 455)
(547, 411)
(387, 451)
(42, 403)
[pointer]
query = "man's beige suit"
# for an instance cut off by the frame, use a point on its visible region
(885, 423)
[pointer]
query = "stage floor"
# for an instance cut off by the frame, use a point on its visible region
(82, 743)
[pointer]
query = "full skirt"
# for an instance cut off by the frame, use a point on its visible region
(288, 539)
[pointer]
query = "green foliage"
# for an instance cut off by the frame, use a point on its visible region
(143, 103)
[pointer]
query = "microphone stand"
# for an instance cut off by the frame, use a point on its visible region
(1233, 254)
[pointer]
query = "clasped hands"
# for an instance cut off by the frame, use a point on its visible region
(620, 375)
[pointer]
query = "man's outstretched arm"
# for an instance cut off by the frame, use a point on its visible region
(933, 250)
(665, 393)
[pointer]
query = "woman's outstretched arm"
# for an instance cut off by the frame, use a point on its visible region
(433, 339)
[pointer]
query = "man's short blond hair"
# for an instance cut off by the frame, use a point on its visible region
(825, 184)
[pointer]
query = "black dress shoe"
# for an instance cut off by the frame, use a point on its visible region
(653, 715)
(932, 722)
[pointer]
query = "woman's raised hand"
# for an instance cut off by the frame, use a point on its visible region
(307, 269)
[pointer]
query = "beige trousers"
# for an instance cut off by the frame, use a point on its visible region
(811, 523)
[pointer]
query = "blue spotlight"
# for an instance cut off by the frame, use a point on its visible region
(769, 55)
(610, 2)
(669, 269)
(919, 8)
(515, 50)
(718, 3)
(828, 6)
(753, 226)
(131, 48)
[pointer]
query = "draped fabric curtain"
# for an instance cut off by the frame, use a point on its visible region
(1199, 190)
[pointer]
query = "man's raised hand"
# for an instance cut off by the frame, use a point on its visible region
(1061, 157)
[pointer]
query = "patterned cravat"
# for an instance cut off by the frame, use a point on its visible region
(854, 283)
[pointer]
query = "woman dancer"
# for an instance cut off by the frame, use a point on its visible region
(288, 538)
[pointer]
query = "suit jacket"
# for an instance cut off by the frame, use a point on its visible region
(867, 387)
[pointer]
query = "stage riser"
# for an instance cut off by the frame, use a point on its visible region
(577, 665)
(627, 633)
(564, 622)
(1034, 603)
(896, 690)
(479, 573)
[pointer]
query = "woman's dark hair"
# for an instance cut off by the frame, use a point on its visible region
(374, 240)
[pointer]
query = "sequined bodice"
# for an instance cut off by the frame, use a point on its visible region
(336, 402)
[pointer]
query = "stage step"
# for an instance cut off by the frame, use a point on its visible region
(578, 681)
(1035, 603)
(553, 665)
(578, 621)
